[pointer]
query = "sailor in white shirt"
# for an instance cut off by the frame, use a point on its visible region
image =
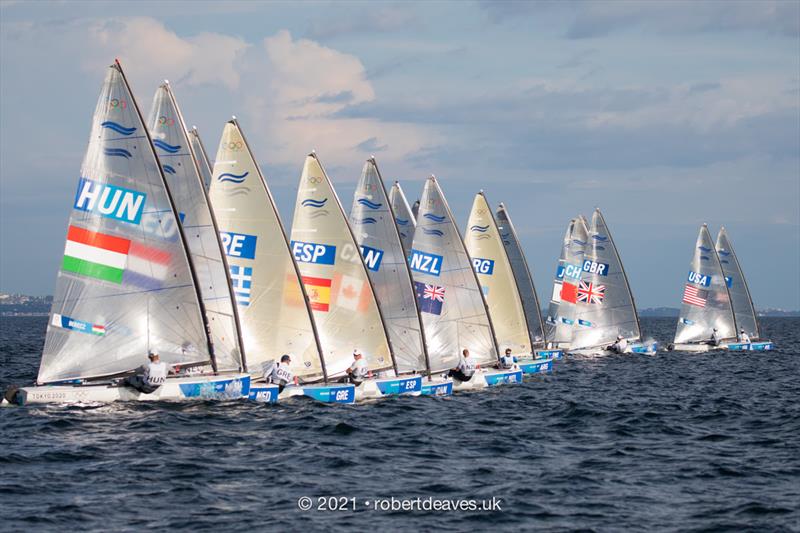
(507, 360)
(620, 346)
(358, 371)
(744, 337)
(280, 374)
(149, 377)
(465, 369)
(714, 341)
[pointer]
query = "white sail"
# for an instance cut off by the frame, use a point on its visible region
(561, 313)
(406, 223)
(522, 275)
(605, 306)
(493, 268)
(450, 301)
(741, 300)
(335, 277)
(201, 156)
(126, 284)
(175, 153)
(375, 230)
(706, 303)
(273, 311)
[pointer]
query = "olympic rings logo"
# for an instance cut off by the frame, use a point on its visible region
(116, 102)
(234, 145)
(481, 211)
(164, 121)
(315, 180)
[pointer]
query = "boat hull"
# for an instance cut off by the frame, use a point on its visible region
(693, 347)
(535, 366)
(751, 346)
(331, 393)
(639, 348)
(549, 354)
(492, 378)
(437, 388)
(381, 387)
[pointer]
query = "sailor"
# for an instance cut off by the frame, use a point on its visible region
(280, 374)
(507, 360)
(358, 371)
(744, 337)
(149, 377)
(465, 369)
(714, 340)
(620, 345)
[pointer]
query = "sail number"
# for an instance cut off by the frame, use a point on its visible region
(426, 263)
(699, 279)
(593, 267)
(483, 266)
(239, 244)
(311, 252)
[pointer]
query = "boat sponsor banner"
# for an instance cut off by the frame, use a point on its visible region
(110, 201)
(585, 323)
(593, 267)
(239, 244)
(699, 279)
(319, 292)
(589, 293)
(65, 322)
(430, 297)
(242, 283)
(694, 296)
(569, 292)
(372, 257)
(483, 266)
(311, 252)
(95, 255)
(426, 263)
(687, 321)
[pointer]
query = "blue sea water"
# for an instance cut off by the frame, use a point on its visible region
(671, 442)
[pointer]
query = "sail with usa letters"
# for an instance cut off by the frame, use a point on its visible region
(406, 223)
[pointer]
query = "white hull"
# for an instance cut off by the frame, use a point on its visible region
(489, 378)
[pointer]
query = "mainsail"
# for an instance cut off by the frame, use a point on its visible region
(561, 312)
(706, 303)
(335, 277)
(201, 156)
(493, 268)
(741, 300)
(451, 305)
(403, 216)
(273, 311)
(375, 230)
(126, 284)
(175, 153)
(522, 275)
(605, 306)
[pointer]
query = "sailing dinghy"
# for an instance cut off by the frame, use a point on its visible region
(604, 306)
(561, 310)
(742, 302)
(451, 304)
(526, 289)
(496, 277)
(378, 232)
(341, 294)
(406, 223)
(127, 283)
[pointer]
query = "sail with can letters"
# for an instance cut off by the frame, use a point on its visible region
(406, 223)
(706, 303)
(741, 300)
(453, 311)
(493, 269)
(126, 284)
(377, 233)
(335, 277)
(174, 150)
(272, 307)
(201, 156)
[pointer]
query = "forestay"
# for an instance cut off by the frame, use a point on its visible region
(272, 308)
(451, 305)
(201, 156)
(493, 268)
(125, 285)
(373, 224)
(335, 278)
(175, 153)
(706, 303)
(605, 306)
(741, 300)
(406, 223)
(522, 276)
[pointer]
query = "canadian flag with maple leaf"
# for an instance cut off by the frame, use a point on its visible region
(350, 293)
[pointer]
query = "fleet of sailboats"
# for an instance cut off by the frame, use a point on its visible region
(169, 251)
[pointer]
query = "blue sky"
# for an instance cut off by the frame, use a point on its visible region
(663, 114)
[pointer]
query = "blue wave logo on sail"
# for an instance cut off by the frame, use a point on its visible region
(366, 220)
(117, 152)
(480, 229)
(436, 232)
(166, 146)
(579, 242)
(234, 178)
(119, 128)
(601, 238)
(367, 203)
(435, 218)
(723, 253)
(310, 202)
(168, 169)
(401, 221)
(703, 248)
(704, 257)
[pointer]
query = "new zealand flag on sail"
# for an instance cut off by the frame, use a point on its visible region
(430, 298)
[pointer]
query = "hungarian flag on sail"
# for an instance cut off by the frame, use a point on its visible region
(694, 296)
(430, 298)
(319, 293)
(569, 292)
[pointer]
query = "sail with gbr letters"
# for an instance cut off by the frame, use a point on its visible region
(126, 284)
(404, 218)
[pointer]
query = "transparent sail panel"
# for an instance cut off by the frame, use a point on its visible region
(125, 284)
(403, 216)
(450, 302)
(335, 277)
(604, 307)
(493, 269)
(522, 275)
(376, 233)
(201, 156)
(174, 151)
(737, 286)
(273, 312)
(705, 304)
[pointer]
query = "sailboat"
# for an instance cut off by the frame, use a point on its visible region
(452, 307)
(743, 309)
(706, 303)
(273, 307)
(341, 294)
(406, 223)
(605, 307)
(377, 230)
(127, 283)
(201, 157)
(496, 277)
(526, 290)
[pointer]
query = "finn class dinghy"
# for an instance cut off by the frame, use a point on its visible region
(604, 304)
(451, 304)
(127, 282)
(347, 315)
(378, 234)
(561, 310)
(526, 289)
(496, 277)
(273, 308)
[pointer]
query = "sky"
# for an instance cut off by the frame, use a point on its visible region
(665, 115)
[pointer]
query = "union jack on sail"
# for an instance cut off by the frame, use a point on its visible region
(590, 293)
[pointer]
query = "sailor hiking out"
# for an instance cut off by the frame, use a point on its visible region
(358, 371)
(744, 337)
(507, 360)
(280, 374)
(620, 345)
(149, 377)
(465, 369)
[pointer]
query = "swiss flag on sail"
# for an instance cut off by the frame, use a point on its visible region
(569, 292)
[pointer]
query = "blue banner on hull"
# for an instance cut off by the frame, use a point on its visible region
(503, 378)
(400, 386)
(219, 390)
(332, 394)
(437, 389)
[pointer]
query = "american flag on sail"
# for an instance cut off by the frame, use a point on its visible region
(590, 293)
(694, 296)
